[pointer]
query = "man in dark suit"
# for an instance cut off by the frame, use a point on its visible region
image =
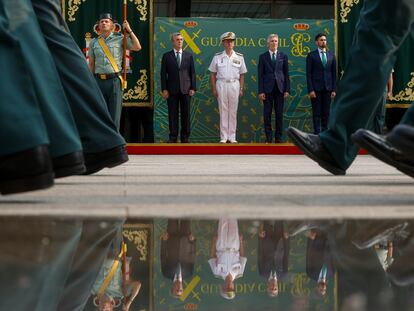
(321, 80)
(177, 254)
(274, 86)
(178, 84)
(272, 255)
(319, 264)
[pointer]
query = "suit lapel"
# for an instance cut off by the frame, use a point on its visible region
(278, 56)
(174, 58)
(318, 57)
(267, 58)
(328, 58)
(183, 59)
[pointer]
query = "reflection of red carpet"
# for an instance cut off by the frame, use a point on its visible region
(213, 149)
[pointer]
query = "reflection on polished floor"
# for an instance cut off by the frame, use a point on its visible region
(193, 264)
(212, 233)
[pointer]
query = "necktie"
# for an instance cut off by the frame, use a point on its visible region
(322, 274)
(178, 59)
(273, 58)
(324, 58)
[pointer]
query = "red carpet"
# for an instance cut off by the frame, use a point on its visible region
(213, 149)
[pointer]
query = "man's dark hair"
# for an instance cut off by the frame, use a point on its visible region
(320, 35)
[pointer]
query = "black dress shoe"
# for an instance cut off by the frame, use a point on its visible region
(382, 149)
(97, 161)
(184, 141)
(26, 171)
(402, 137)
(172, 141)
(69, 164)
(375, 232)
(312, 146)
(278, 141)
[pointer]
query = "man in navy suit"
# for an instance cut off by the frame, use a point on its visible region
(178, 84)
(274, 86)
(321, 80)
(273, 255)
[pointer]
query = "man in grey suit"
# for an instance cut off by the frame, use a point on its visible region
(178, 84)
(274, 86)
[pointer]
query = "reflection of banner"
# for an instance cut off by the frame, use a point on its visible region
(403, 90)
(296, 39)
(81, 17)
(202, 291)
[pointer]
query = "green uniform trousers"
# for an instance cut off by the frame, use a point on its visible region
(358, 271)
(112, 92)
(51, 264)
(33, 109)
(36, 254)
(381, 30)
(96, 129)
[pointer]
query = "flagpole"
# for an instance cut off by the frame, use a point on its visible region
(124, 56)
(124, 272)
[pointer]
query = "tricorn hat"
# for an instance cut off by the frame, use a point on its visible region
(106, 16)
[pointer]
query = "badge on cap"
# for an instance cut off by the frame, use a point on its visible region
(228, 36)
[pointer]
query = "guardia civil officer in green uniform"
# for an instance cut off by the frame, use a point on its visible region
(105, 61)
(381, 30)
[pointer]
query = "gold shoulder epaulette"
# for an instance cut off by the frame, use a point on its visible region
(240, 54)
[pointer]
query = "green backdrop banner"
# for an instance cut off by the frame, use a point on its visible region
(295, 290)
(81, 17)
(347, 17)
(296, 39)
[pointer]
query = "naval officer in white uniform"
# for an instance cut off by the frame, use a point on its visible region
(227, 81)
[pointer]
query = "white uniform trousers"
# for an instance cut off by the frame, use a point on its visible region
(228, 101)
(228, 235)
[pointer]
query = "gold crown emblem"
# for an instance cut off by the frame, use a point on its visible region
(301, 26)
(190, 24)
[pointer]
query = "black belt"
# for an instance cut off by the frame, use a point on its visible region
(106, 76)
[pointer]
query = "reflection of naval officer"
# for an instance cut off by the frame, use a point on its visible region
(227, 81)
(177, 253)
(273, 254)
